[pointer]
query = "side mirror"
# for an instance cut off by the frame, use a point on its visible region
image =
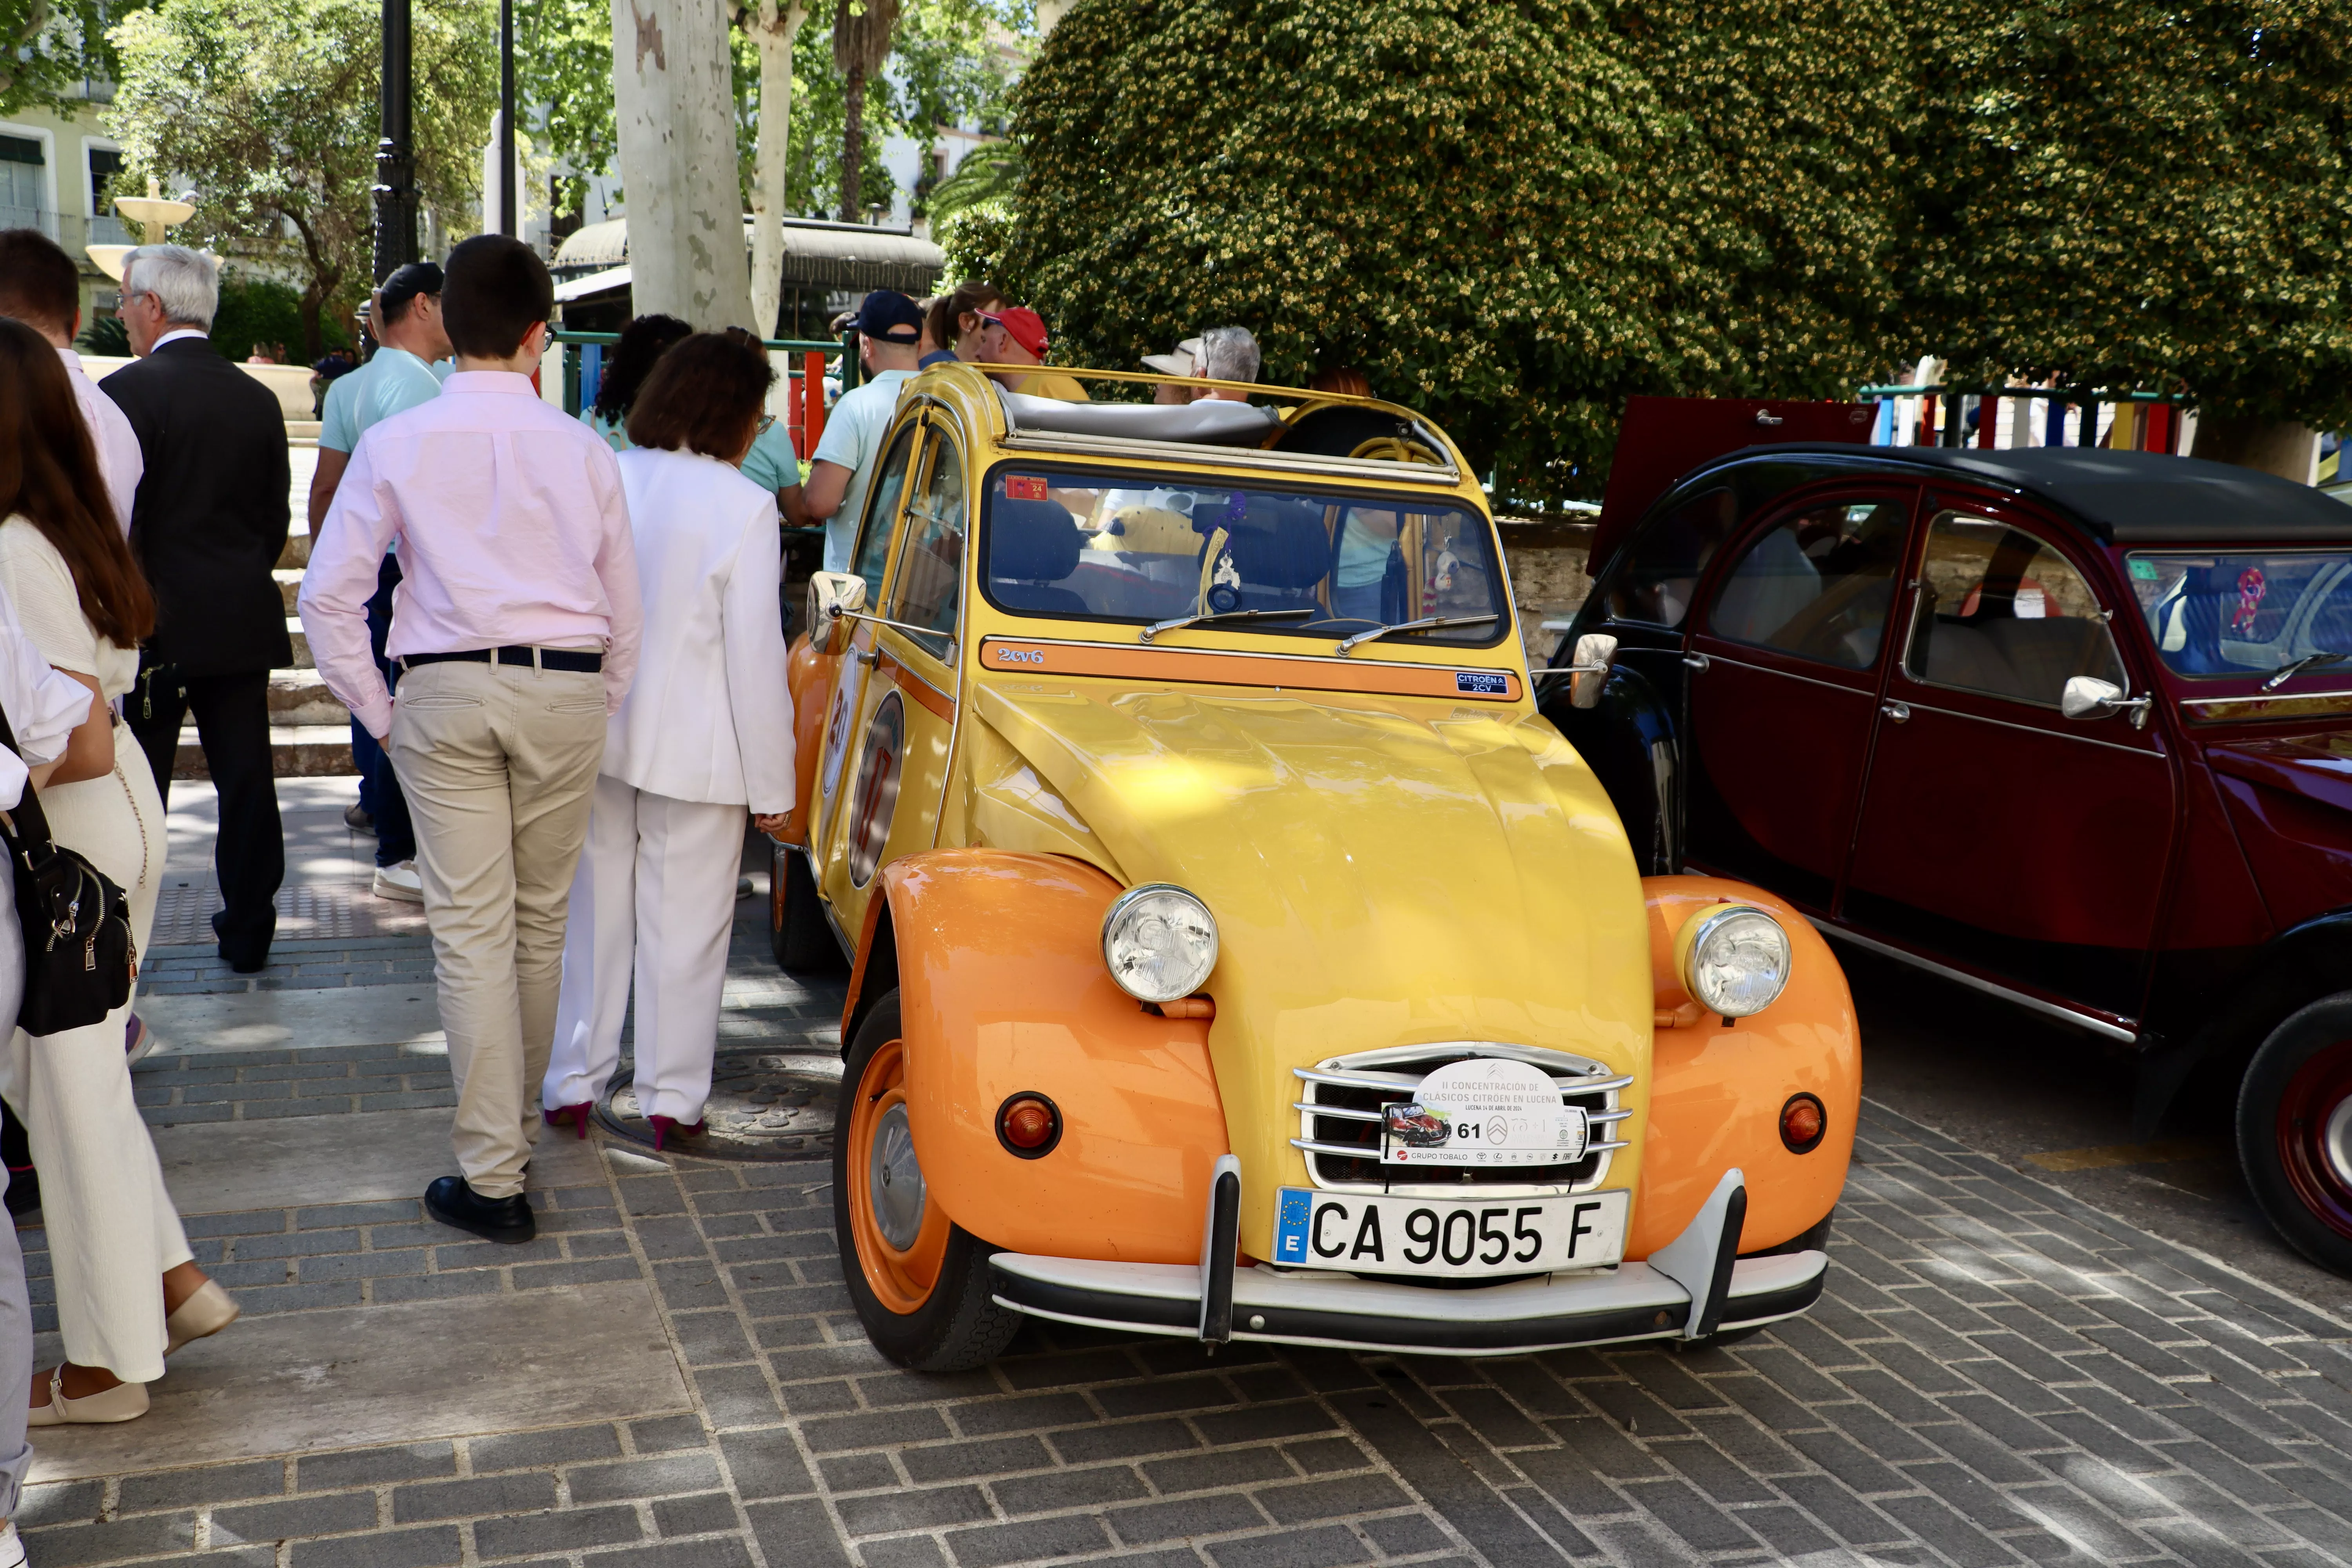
(2088, 696)
(832, 597)
(1595, 651)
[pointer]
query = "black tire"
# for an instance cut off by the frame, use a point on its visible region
(960, 1325)
(1814, 1239)
(2297, 1083)
(798, 938)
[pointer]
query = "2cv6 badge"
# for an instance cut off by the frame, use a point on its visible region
(1236, 954)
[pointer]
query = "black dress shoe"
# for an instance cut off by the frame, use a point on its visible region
(452, 1201)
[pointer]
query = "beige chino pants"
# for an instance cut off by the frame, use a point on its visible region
(498, 763)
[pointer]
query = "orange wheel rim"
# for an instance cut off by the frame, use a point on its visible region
(901, 1236)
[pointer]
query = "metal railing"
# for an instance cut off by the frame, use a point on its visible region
(805, 402)
(2162, 432)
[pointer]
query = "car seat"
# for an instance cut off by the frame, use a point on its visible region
(1032, 546)
(1280, 548)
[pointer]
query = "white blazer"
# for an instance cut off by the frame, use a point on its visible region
(708, 717)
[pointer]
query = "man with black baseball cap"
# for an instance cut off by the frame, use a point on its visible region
(405, 319)
(889, 335)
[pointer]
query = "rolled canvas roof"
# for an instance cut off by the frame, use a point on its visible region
(817, 255)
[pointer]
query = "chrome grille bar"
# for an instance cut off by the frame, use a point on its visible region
(1338, 1112)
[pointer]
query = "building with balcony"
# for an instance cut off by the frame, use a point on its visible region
(56, 171)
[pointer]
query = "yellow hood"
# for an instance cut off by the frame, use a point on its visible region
(1383, 871)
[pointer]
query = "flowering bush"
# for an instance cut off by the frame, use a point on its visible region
(2139, 195)
(1510, 213)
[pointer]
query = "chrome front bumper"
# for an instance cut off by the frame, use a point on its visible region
(1611, 1306)
(1694, 1287)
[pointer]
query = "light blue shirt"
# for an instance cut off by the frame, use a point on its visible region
(615, 436)
(394, 382)
(772, 464)
(853, 439)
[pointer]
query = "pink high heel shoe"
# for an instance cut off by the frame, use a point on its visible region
(663, 1126)
(579, 1114)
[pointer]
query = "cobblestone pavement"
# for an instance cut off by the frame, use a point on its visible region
(1999, 1373)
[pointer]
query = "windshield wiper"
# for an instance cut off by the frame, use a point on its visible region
(2308, 661)
(1412, 626)
(1150, 632)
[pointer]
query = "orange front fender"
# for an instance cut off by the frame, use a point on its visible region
(809, 677)
(1716, 1089)
(1002, 991)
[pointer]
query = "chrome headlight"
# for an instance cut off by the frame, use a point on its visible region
(1160, 943)
(1735, 959)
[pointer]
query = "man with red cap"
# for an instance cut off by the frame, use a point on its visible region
(1017, 337)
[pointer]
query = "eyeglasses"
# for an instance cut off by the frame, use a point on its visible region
(767, 423)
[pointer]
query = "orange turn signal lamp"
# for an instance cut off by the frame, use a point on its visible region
(1028, 1125)
(1803, 1122)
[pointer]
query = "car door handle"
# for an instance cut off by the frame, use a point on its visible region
(1695, 661)
(1898, 712)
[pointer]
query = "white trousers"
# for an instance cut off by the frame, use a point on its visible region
(654, 899)
(112, 1228)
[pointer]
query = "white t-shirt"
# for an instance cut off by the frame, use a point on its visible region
(853, 439)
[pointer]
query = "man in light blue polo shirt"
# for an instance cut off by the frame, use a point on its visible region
(890, 328)
(409, 337)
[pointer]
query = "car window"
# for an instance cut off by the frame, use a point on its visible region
(2244, 614)
(1133, 548)
(1820, 584)
(882, 511)
(928, 585)
(2001, 613)
(1657, 584)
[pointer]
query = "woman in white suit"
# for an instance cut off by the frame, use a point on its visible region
(705, 734)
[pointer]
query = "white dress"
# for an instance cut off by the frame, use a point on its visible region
(113, 1228)
(704, 733)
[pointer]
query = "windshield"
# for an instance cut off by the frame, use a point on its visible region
(2242, 615)
(1121, 548)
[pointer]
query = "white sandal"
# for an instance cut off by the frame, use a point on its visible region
(123, 1402)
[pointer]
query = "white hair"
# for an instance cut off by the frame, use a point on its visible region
(1229, 353)
(184, 281)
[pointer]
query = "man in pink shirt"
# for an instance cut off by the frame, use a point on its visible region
(515, 627)
(39, 287)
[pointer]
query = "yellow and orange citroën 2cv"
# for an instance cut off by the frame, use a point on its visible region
(1235, 954)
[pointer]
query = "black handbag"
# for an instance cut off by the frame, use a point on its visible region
(80, 958)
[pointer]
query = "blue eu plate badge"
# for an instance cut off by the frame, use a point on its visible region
(1291, 1211)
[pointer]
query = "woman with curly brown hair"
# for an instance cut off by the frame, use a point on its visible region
(113, 1232)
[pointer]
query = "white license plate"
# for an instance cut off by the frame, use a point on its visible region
(1442, 1237)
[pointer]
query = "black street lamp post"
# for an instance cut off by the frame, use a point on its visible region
(395, 154)
(506, 181)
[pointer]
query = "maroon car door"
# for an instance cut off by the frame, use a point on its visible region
(1997, 835)
(1784, 676)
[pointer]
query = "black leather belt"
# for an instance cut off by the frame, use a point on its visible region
(564, 658)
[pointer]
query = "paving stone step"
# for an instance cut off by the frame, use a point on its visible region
(296, 751)
(290, 583)
(297, 553)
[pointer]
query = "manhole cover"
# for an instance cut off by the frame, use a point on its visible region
(765, 1105)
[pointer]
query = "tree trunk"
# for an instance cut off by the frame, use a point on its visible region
(314, 337)
(773, 31)
(674, 101)
(852, 145)
(2278, 447)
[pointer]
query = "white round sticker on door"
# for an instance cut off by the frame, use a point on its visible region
(1484, 1111)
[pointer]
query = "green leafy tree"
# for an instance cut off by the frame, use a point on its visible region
(563, 64)
(2139, 195)
(50, 48)
(269, 107)
(1513, 214)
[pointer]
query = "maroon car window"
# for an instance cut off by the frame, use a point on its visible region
(2247, 614)
(2001, 613)
(1669, 557)
(1820, 584)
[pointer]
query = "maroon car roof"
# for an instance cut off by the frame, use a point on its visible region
(2122, 497)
